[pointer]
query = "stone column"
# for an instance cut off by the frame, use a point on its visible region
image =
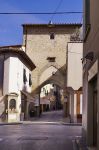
(65, 104)
(85, 103)
(38, 107)
(65, 109)
(27, 111)
(72, 106)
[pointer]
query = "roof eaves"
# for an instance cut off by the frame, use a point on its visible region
(55, 24)
(21, 54)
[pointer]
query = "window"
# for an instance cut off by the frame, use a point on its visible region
(12, 104)
(24, 76)
(86, 18)
(51, 59)
(52, 36)
(30, 80)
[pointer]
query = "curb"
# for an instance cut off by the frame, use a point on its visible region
(72, 124)
(14, 123)
(35, 122)
(52, 123)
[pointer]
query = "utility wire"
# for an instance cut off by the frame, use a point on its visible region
(41, 13)
(60, 2)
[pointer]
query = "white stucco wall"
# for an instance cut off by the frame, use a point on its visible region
(6, 77)
(81, 98)
(75, 104)
(13, 76)
(74, 73)
(27, 75)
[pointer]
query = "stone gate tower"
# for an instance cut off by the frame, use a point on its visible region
(46, 45)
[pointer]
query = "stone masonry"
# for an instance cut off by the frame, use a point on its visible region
(39, 46)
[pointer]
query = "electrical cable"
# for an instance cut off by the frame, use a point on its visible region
(40, 13)
(60, 2)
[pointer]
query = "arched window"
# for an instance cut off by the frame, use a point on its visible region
(12, 104)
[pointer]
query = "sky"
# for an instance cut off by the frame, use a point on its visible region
(11, 25)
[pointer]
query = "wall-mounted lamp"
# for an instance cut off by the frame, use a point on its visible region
(89, 56)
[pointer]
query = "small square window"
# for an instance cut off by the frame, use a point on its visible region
(51, 59)
(52, 36)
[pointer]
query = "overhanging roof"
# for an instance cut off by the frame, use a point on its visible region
(20, 54)
(54, 24)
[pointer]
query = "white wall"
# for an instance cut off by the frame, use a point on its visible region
(74, 73)
(6, 77)
(13, 76)
(27, 75)
(81, 103)
(75, 104)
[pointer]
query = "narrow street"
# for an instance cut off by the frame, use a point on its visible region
(53, 116)
(39, 136)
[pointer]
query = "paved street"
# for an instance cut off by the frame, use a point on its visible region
(38, 136)
(53, 116)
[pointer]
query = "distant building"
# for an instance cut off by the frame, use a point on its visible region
(50, 98)
(91, 74)
(15, 83)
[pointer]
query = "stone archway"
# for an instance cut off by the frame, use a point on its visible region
(51, 73)
(47, 73)
(51, 92)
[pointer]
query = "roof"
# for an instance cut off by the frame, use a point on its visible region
(11, 46)
(54, 24)
(19, 53)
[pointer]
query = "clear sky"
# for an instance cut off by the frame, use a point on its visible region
(10, 25)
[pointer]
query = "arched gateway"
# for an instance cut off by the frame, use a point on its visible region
(46, 45)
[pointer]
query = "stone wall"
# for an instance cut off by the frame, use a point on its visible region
(39, 47)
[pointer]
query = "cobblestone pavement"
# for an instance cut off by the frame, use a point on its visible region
(39, 136)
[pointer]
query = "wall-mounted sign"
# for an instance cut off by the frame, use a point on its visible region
(93, 70)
